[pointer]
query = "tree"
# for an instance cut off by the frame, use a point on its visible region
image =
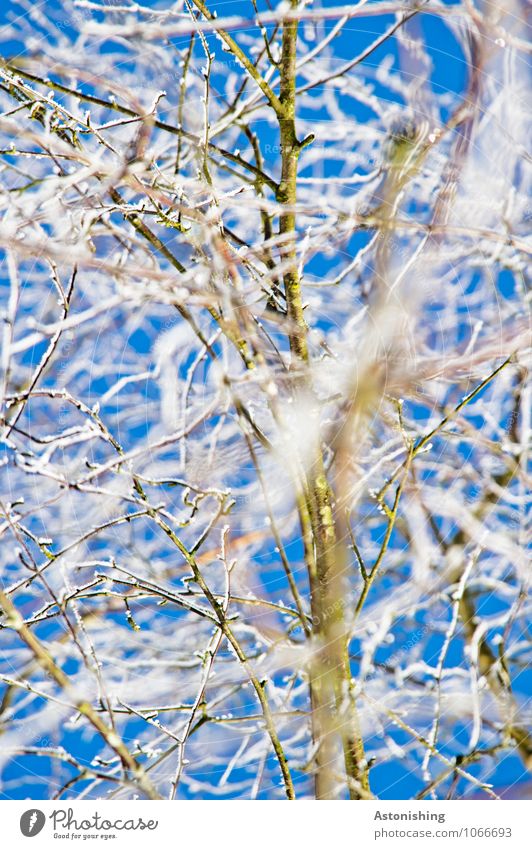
(265, 402)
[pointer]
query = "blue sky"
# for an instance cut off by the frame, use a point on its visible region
(392, 780)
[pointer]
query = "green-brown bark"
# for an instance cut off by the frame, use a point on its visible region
(334, 717)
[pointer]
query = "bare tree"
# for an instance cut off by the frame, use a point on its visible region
(265, 408)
